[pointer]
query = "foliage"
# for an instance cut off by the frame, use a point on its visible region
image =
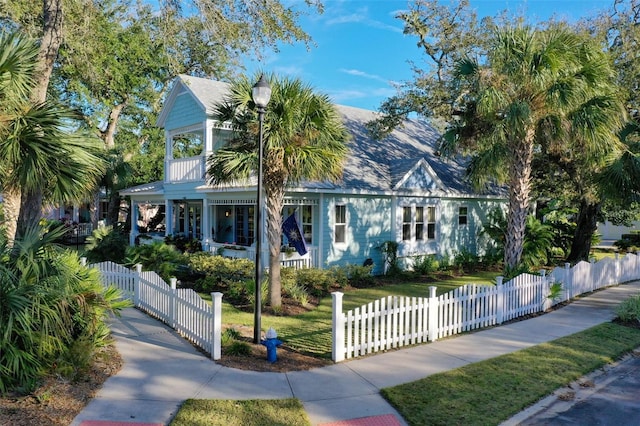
(157, 256)
(315, 281)
(359, 276)
(538, 239)
(466, 261)
(555, 291)
(629, 310)
(390, 253)
(107, 243)
(426, 264)
(237, 348)
(184, 243)
(304, 139)
(53, 311)
(219, 272)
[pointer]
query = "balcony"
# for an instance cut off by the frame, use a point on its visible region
(190, 169)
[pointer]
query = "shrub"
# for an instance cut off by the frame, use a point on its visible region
(238, 348)
(157, 256)
(425, 265)
(466, 261)
(629, 310)
(390, 253)
(107, 243)
(219, 272)
(52, 308)
(315, 281)
(184, 244)
(360, 276)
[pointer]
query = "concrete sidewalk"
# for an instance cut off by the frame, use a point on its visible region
(161, 369)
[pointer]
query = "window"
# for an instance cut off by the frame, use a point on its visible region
(431, 223)
(462, 216)
(340, 224)
(307, 223)
(406, 223)
(244, 221)
(419, 223)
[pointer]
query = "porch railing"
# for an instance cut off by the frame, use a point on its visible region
(309, 260)
(185, 169)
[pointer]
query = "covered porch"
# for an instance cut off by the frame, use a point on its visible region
(223, 226)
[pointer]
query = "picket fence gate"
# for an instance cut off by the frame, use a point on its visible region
(396, 321)
(180, 308)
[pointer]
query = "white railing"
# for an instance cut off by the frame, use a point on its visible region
(182, 309)
(293, 260)
(185, 169)
(394, 321)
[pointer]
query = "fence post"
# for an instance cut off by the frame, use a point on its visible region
(83, 261)
(499, 300)
(216, 308)
(136, 285)
(568, 280)
(173, 303)
(337, 330)
(546, 290)
(432, 311)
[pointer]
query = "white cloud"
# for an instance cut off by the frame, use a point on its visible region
(359, 73)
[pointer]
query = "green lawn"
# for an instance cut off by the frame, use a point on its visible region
(310, 332)
(492, 391)
(198, 412)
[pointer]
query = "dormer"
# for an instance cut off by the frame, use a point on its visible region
(191, 134)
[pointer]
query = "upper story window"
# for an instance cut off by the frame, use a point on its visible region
(340, 224)
(462, 216)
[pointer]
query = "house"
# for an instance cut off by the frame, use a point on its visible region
(396, 189)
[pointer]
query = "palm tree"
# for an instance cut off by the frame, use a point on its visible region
(305, 139)
(553, 85)
(40, 158)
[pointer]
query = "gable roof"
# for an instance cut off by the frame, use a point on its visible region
(204, 91)
(405, 161)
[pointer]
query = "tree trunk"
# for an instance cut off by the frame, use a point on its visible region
(275, 200)
(519, 192)
(32, 200)
(49, 46)
(11, 209)
(586, 226)
(30, 211)
(110, 132)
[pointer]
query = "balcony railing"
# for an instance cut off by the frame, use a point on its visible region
(188, 169)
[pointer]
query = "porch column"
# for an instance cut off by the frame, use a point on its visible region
(204, 225)
(134, 223)
(168, 217)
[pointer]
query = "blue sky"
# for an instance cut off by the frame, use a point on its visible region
(361, 51)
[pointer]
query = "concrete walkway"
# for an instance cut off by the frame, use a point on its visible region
(161, 369)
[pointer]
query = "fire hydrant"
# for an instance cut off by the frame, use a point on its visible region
(271, 342)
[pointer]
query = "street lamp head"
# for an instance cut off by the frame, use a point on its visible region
(261, 93)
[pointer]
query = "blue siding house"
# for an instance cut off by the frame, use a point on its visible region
(395, 189)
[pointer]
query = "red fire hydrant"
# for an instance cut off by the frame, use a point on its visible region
(271, 342)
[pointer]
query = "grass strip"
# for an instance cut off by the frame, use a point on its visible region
(490, 392)
(255, 412)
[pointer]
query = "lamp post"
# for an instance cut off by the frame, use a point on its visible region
(261, 93)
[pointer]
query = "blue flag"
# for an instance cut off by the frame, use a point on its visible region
(291, 230)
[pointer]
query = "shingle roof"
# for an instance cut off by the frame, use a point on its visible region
(375, 165)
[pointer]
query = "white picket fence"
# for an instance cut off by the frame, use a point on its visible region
(396, 321)
(180, 308)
